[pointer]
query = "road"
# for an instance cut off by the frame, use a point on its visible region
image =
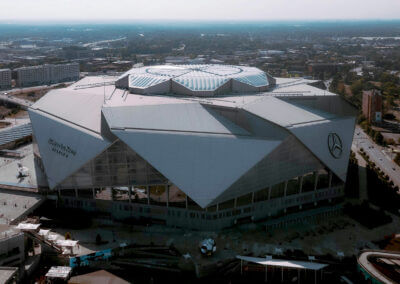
(15, 100)
(377, 155)
(8, 95)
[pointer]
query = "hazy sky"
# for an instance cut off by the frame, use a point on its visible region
(198, 9)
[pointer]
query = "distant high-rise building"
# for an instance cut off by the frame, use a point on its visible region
(372, 106)
(5, 79)
(47, 74)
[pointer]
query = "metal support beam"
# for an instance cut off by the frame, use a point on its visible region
(301, 184)
(315, 276)
(148, 194)
(167, 189)
(130, 193)
(285, 189)
(269, 192)
(316, 181)
(76, 192)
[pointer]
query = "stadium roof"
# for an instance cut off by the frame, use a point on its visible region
(214, 132)
(200, 80)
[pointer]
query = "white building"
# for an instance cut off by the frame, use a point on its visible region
(5, 79)
(201, 146)
(47, 74)
(12, 246)
(64, 72)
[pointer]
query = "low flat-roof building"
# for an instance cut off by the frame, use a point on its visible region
(213, 143)
(12, 248)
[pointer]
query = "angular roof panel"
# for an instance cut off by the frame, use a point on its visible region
(64, 147)
(79, 108)
(283, 113)
(257, 80)
(315, 137)
(145, 81)
(201, 165)
(290, 159)
(181, 117)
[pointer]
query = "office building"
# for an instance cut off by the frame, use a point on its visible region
(5, 79)
(372, 106)
(46, 74)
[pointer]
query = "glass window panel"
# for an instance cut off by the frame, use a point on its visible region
(293, 186)
(278, 190)
(261, 195)
(323, 179)
(226, 205)
(177, 198)
(308, 182)
(244, 200)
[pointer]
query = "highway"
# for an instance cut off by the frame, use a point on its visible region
(376, 154)
(8, 95)
(15, 100)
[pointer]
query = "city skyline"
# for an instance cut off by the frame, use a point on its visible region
(85, 10)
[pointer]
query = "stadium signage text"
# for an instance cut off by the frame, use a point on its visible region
(61, 149)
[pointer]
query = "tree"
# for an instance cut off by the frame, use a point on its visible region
(397, 159)
(378, 137)
(356, 87)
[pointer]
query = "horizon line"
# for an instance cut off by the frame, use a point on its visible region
(228, 21)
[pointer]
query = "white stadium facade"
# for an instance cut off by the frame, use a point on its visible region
(196, 146)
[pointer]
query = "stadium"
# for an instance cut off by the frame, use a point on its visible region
(194, 146)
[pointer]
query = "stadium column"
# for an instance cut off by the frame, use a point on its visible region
(148, 194)
(94, 193)
(130, 193)
(269, 192)
(330, 179)
(285, 189)
(186, 200)
(301, 184)
(252, 197)
(167, 190)
(315, 188)
(315, 181)
(58, 197)
(76, 192)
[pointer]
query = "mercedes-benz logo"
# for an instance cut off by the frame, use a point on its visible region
(335, 145)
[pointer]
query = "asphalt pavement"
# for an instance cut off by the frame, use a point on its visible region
(377, 155)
